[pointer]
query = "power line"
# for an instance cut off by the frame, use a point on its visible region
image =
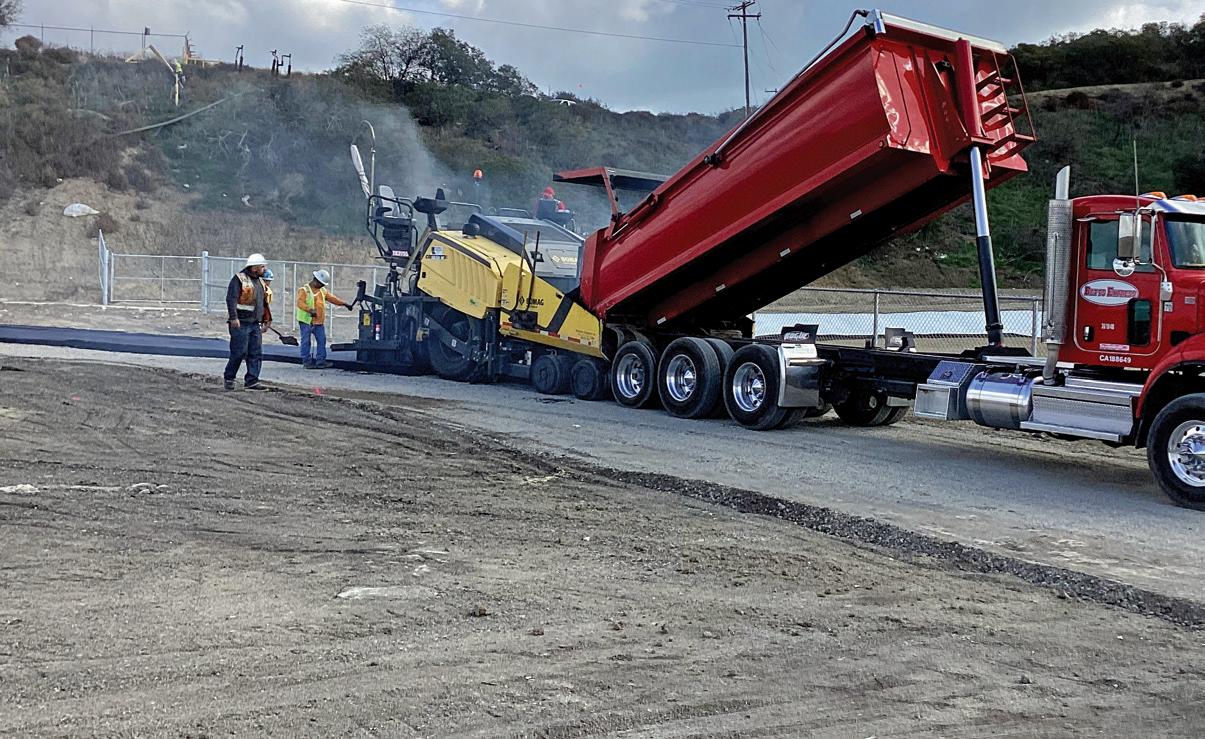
(93, 30)
(520, 24)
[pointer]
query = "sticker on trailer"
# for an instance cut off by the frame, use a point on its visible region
(1114, 347)
(1108, 292)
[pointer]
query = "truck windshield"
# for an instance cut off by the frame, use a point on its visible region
(1187, 241)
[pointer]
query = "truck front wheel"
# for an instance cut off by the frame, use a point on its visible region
(1175, 450)
(751, 388)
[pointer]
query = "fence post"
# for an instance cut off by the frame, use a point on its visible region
(205, 282)
(1033, 326)
(103, 263)
(874, 332)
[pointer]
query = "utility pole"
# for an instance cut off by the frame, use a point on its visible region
(742, 11)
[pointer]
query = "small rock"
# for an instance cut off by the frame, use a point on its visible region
(664, 629)
(479, 612)
(709, 634)
(1025, 680)
(537, 631)
(617, 626)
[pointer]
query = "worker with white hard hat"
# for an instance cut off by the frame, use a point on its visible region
(249, 315)
(311, 302)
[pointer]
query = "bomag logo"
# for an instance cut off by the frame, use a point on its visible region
(1108, 292)
(539, 302)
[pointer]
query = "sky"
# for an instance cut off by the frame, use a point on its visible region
(623, 73)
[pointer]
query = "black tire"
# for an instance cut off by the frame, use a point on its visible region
(868, 409)
(549, 375)
(588, 379)
(634, 375)
(792, 418)
(689, 378)
(818, 412)
(751, 388)
(1181, 421)
(452, 325)
(724, 352)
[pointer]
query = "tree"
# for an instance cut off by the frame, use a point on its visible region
(9, 10)
(387, 54)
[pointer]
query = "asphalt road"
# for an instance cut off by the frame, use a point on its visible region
(1079, 505)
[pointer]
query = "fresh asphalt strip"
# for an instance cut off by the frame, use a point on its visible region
(160, 344)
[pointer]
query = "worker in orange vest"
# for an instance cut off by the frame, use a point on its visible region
(248, 315)
(311, 318)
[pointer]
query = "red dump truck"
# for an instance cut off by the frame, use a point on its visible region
(878, 135)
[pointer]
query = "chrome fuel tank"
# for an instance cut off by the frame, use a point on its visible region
(1001, 399)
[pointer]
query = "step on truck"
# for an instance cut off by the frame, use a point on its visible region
(884, 131)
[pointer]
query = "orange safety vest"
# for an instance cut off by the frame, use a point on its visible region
(246, 296)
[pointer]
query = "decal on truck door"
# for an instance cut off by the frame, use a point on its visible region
(1108, 292)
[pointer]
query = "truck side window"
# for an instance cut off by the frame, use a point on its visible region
(1102, 245)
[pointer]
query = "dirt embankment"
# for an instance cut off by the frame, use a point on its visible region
(180, 560)
(47, 256)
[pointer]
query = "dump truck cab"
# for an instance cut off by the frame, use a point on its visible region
(1128, 313)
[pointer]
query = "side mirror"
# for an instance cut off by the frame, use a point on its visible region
(1129, 237)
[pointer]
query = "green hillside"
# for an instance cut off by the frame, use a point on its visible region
(441, 109)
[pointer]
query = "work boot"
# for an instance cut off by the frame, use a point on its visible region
(256, 386)
(309, 365)
(229, 385)
(323, 365)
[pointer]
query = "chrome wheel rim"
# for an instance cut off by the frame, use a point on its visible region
(629, 376)
(1186, 453)
(680, 378)
(749, 387)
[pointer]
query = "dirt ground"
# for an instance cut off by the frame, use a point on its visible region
(178, 560)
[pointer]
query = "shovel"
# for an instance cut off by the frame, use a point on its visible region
(286, 340)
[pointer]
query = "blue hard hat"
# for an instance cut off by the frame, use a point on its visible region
(268, 274)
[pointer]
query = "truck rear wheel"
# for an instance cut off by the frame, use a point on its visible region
(452, 332)
(588, 379)
(634, 375)
(751, 388)
(724, 351)
(689, 378)
(1175, 450)
(549, 375)
(868, 409)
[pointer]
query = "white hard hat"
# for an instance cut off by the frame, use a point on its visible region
(256, 260)
(322, 276)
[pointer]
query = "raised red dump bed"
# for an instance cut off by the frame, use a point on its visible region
(870, 142)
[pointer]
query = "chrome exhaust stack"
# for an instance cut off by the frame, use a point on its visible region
(1057, 289)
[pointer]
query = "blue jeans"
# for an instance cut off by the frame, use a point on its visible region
(318, 331)
(246, 344)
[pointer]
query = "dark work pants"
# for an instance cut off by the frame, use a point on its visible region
(246, 344)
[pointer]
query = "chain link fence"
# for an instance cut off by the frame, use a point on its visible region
(200, 282)
(945, 322)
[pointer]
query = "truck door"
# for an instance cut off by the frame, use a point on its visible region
(1116, 317)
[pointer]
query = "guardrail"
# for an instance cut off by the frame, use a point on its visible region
(941, 321)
